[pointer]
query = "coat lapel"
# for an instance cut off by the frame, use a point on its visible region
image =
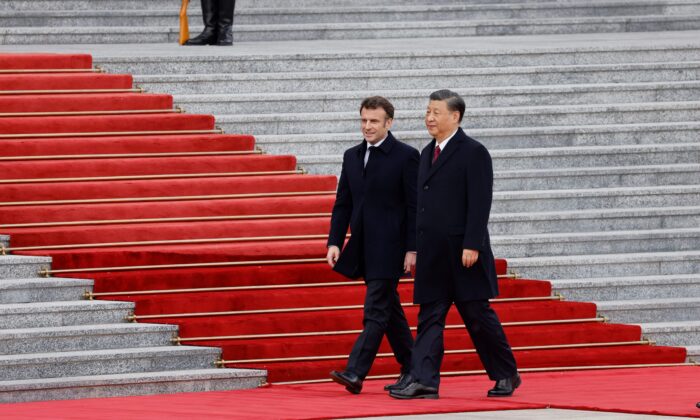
(445, 155)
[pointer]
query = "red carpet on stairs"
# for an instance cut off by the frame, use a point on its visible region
(95, 191)
(652, 391)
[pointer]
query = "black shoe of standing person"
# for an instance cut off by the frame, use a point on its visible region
(415, 390)
(505, 387)
(210, 11)
(400, 383)
(224, 26)
(352, 382)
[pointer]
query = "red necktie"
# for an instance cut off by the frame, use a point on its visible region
(436, 153)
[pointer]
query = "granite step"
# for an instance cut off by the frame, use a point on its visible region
(4, 240)
(84, 338)
(271, 103)
(594, 220)
(28, 290)
(607, 265)
(27, 35)
(340, 14)
(125, 384)
(592, 243)
(18, 266)
(57, 314)
(651, 310)
(106, 362)
(595, 198)
(628, 288)
(533, 51)
(535, 116)
(501, 138)
(693, 354)
(675, 333)
(404, 83)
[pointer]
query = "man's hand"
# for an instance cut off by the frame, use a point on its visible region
(409, 262)
(333, 254)
(469, 257)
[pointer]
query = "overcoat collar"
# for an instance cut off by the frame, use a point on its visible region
(385, 147)
(452, 146)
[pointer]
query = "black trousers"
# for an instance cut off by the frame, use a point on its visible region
(484, 329)
(383, 314)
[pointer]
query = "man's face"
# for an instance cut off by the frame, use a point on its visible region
(375, 124)
(440, 121)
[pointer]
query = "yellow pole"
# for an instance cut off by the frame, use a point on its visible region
(184, 27)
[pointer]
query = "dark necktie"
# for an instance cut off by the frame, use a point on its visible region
(436, 152)
(370, 149)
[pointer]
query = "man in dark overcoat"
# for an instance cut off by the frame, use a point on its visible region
(376, 198)
(454, 259)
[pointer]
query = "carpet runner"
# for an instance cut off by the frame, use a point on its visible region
(111, 181)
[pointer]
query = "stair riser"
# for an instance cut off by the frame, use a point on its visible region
(53, 319)
(653, 314)
(672, 338)
(611, 180)
(597, 246)
(371, 83)
(614, 269)
(85, 342)
(281, 105)
(129, 364)
(629, 292)
(472, 119)
(127, 389)
(361, 62)
(21, 270)
(39, 294)
(628, 222)
(534, 139)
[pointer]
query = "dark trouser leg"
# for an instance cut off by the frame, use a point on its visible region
(210, 10)
(377, 312)
(398, 333)
(489, 339)
(429, 348)
(224, 27)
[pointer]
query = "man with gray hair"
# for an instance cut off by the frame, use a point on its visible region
(454, 262)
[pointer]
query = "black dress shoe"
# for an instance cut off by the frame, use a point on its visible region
(505, 387)
(400, 383)
(351, 381)
(415, 390)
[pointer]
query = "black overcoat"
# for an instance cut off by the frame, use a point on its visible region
(454, 201)
(378, 203)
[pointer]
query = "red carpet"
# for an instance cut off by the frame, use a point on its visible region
(642, 391)
(165, 182)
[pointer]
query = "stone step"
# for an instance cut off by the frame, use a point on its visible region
(117, 385)
(536, 116)
(629, 288)
(106, 362)
(273, 103)
(607, 265)
(19, 266)
(84, 338)
(600, 177)
(542, 162)
(651, 310)
(42, 290)
(452, 53)
(340, 14)
(592, 243)
(500, 138)
(594, 220)
(492, 85)
(693, 353)
(678, 333)
(4, 240)
(595, 198)
(56, 314)
(350, 30)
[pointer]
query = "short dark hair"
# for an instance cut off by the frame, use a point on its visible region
(376, 102)
(454, 101)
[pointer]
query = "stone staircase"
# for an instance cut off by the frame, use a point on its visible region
(56, 345)
(124, 21)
